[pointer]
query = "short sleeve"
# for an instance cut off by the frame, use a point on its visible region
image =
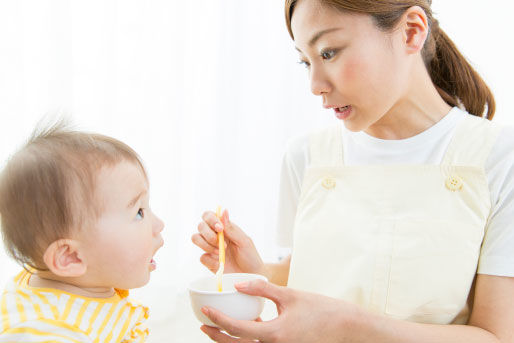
(497, 253)
(294, 163)
(44, 331)
(139, 331)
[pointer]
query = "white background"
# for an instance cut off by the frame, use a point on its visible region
(207, 92)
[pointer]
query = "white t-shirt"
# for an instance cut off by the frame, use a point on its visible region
(428, 147)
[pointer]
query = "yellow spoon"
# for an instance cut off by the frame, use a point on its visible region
(221, 248)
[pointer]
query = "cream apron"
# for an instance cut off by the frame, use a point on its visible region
(399, 240)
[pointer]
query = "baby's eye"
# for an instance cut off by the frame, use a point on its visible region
(140, 214)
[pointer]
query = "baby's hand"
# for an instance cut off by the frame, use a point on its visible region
(241, 256)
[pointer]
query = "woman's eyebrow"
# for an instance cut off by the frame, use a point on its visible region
(318, 35)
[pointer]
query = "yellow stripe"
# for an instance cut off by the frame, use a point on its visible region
(19, 276)
(53, 308)
(37, 332)
(37, 308)
(120, 313)
(21, 309)
(5, 314)
(67, 309)
(124, 329)
(93, 318)
(106, 320)
(81, 313)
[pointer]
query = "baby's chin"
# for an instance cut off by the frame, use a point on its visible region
(135, 281)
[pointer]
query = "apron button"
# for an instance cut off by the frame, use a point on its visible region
(454, 183)
(328, 182)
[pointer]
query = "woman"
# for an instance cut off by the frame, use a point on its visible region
(402, 215)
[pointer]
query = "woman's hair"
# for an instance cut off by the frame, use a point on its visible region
(47, 188)
(455, 79)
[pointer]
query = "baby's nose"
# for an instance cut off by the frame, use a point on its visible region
(158, 225)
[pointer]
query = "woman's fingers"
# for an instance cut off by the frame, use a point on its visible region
(217, 336)
(233, 232)
(210, 261)
(199, 240)
(279, 295)
(237, 328)
(208, 234)
(210, 218)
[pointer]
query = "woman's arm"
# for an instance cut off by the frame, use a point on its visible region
(278, 273)
(306, 317)
(491, 320)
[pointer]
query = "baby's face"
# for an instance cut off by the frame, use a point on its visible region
(119, 250)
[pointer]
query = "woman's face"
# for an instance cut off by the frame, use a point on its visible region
(360, 71)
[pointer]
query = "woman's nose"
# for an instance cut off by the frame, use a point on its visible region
(319, 82)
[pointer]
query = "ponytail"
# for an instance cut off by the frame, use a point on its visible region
(455, 79)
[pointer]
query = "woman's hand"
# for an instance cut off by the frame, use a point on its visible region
(302, 317)
(306, 317)
(241, 256)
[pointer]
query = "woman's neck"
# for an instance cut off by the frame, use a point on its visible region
(420, 108)
(45, 280)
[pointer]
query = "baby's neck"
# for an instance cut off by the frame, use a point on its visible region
(46, 281)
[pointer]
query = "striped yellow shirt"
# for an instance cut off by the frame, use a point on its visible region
(30, 314)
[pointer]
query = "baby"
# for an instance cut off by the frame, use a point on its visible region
(75, 213)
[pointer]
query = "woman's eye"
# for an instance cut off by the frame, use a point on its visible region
(304, 63)
(140, 214)
(326, 55)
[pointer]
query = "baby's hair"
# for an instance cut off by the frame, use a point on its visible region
(47, 188)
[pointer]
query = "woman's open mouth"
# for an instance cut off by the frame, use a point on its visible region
(343, 112)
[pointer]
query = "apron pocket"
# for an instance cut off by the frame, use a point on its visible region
(433, 264)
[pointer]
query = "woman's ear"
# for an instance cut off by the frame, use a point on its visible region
(63, 258)
(415, 29)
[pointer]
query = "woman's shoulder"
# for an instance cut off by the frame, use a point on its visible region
(298, 147)
(296, 156)
(502, 152)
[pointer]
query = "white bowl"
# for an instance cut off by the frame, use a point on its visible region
(204, 292)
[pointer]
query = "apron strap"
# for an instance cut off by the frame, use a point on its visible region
(326, 147)
(472, 142)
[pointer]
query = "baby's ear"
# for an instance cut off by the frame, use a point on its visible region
(62, 257)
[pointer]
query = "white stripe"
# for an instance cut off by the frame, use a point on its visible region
(52, 299)
(10, 304)
(120, 324)
(109, 326)
(132, 322)
(30, 312)
(75, 308)
(45, 308)
(35, 300)
(18, 300)
(87, 315)
(100, 318)
(61, 303)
